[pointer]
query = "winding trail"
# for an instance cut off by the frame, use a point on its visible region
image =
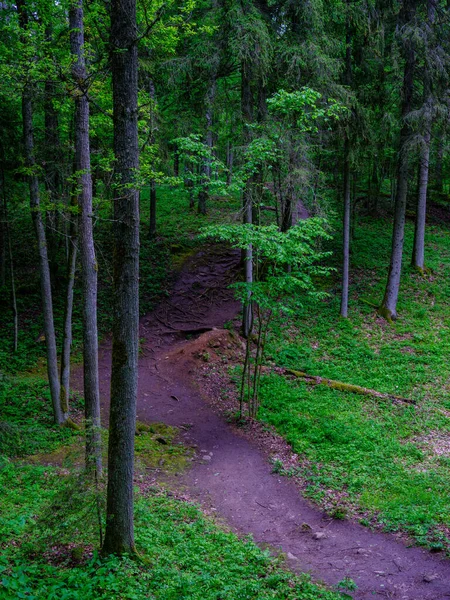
(232, 476)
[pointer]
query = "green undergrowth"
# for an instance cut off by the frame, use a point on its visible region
(388, 461)
(182, 554)
(26, 419)
(51, 518)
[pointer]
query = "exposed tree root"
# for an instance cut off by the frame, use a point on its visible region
(346, 387)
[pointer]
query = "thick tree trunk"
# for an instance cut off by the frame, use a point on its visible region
(119, 537)
(87, 250)
(44, 270)
(388, 308)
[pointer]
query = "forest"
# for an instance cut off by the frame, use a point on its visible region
(224, 299)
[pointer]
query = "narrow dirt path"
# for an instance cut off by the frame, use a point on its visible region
(232, 476)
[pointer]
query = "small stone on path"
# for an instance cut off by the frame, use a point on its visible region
(431, 577)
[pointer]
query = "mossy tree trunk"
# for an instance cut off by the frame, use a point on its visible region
(119, 536)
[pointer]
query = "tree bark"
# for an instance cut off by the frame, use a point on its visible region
(87, 250)
(247, 117)
(206, 167)
(346, 231)
(347, 189)
(388, 308)
(152, 220)
(52, 183)
(67, 332)
(44, 270)
(418, 257)
(119, 537)
(439, 166)
(8, 244)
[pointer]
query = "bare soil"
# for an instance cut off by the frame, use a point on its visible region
(231, 475)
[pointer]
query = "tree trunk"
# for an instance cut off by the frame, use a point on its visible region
(52, 183)
(247, 117)
(89, 265)
(3, 234)
(230, 157)
(8, 244)
(388, 308)
(152, 229)
(119, 537)
(67, 332)
(44, 270)
(346, 231)
(347, 188)
(206, 167)
(418, 257)
(152, 220)
(439, 167)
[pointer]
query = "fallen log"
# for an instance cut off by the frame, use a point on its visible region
(346, 387)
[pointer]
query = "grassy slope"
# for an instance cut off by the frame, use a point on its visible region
(48, 526)
(364, 454)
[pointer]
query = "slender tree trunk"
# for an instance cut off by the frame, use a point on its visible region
(152, 221)
(247, 117)
(87, 250)
(206, 167)
(152, 229)
(418, 257)
(119, 536)
(346, 230)
(8, 244)
(176, 162)
(13, 293)
(67, 332)
(3, 234)
(347, 189)
(230, 157)
(44, 270)
(52, 183)
(388, 308)
(439, 167)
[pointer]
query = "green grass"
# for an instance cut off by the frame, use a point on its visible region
(184, 555)
(364, 455)
(49, 529)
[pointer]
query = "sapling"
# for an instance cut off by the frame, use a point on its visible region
(290, 264)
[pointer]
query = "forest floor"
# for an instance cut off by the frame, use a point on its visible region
(184, 361)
